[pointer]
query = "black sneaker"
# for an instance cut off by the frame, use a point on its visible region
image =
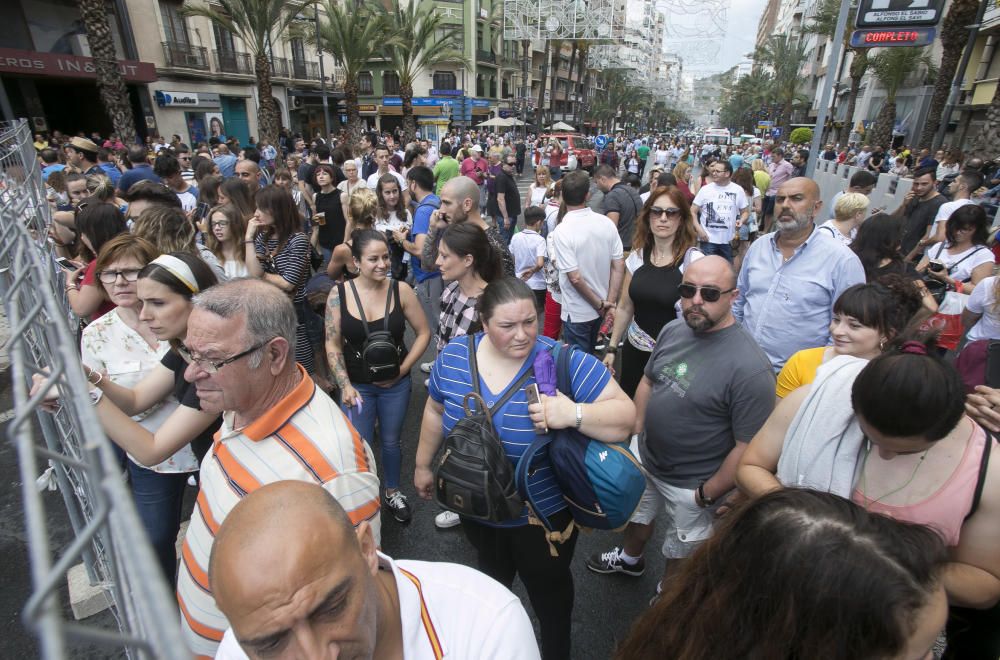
(397, 505)
(611, 562)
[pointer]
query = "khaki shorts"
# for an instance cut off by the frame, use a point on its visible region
(688, 524)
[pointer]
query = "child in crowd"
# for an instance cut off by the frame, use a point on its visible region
(528, 248)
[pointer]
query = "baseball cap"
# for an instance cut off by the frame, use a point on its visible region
(477, 148)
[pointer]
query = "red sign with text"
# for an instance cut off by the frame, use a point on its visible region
(68, 66)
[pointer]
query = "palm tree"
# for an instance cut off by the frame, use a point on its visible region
(893, 67)
(824, 24)
(256, 22)
(784, 54)
(745, 98)
(860, 64)
(987, 143)
(110, 84)
(417, 40)
(352, 36)
(954, 36)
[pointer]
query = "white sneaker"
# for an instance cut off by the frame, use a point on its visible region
(446, 519)
(426, 367)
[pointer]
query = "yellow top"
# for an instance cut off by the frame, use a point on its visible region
(799, 370)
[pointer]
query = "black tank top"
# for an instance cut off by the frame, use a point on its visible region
(353, 332)
(654, 293)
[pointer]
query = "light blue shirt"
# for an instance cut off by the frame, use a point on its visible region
(787, 305)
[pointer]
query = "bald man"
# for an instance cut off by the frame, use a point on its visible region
(791, 277)
(276, 426)
(706, 391)
(325, 591)
(460, 203)
(249, 173)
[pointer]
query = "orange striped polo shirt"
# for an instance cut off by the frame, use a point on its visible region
(304, 437)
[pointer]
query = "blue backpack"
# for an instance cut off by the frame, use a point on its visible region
(601, 482)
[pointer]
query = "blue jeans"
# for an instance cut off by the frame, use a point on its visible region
(724, 250)
(389, 405)
(159, 497)
(506, 233)
(582, 334)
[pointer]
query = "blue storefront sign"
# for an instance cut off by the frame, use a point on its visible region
(417, 100)
(446, 92)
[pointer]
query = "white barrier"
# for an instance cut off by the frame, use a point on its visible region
(833, 178)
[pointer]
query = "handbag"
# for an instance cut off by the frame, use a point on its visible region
(602, 483)
(473, 477)
(379, 353)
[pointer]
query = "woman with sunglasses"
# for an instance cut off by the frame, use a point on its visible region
(97, 223)
(277, 251)
(664, 243)
(225, 239)
(163, 291)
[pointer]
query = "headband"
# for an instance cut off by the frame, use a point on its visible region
(914, 347)
(178, 269)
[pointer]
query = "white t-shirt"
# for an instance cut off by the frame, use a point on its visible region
(373, 180)
(720, 208)
(344, 185)
(831, 227)
(526, 246)
(945, 212)
(551, 217)
(393, 222)
(964, 262)
(981, 301)
(586, 242)
(660, 156)
(537, 195)
(188, 201)
(469, 615)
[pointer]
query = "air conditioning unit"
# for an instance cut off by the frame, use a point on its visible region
(297, 102)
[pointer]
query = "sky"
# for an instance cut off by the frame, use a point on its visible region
(708, 44)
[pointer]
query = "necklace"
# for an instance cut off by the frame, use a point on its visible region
(864, 465)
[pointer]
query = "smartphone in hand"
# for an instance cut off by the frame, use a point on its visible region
(66, 264)
(531, 391)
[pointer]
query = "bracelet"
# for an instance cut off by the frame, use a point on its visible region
(579, 415)
(100, 377)
(611, 348)
(248, 242)
(95, 396)
(71, 287)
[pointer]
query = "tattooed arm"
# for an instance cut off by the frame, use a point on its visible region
(429, 253)
(335, 349)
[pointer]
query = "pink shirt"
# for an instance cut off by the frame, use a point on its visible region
(945, 510)
(780, 172)
(475, 169)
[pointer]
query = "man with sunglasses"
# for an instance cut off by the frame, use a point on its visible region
(719, 209)
(791, 277)
(706, 391)
(277, 426)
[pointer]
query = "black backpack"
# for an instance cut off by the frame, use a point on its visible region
(379, 354)
(473, 477)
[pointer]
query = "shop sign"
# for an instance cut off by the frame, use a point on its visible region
(68, 66)
(479, 103)
(417, 101)
(165, 98)
(446, 92)
(367, 107)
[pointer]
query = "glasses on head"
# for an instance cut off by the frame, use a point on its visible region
(213, 366)
(220, 223)
(656, 212)
(111, 276)
(708, 293)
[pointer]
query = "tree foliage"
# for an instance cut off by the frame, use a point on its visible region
(893, 67)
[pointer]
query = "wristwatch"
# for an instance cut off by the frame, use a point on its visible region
(579, 415)
(704, 500)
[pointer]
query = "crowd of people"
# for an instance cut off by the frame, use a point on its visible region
(809, 389)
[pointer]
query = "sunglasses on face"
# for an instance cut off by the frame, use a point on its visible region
(656, 212)
(708, 293)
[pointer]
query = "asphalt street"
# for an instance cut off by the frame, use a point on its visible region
(604, 609)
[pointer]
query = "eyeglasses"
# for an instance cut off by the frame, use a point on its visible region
(213, 366)
(656, 212)
(220, 223)
(708, 293)
(111, 276)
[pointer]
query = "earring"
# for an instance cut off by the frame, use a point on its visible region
(881, 344)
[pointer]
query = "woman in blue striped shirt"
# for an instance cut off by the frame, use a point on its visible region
(505, 350)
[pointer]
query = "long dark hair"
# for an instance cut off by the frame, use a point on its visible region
(685, 237)
(970, 215)
(879, 238)
(238, 194)
(466, 238)
(279, 203)
(99, 222)
(794, 574)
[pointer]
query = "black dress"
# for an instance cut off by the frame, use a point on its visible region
(653, 291)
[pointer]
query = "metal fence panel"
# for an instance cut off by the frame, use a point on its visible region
(108, 535)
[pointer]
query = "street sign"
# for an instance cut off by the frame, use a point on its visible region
(601, 141)
(898, 13)
(883, 38)
(765, 123)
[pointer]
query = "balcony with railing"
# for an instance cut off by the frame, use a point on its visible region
(228, 61)
(486, 56)
(185, 56)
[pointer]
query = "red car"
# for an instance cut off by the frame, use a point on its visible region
(577, 151)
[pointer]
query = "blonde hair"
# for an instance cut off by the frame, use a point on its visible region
(849, 205)
(362, 207)
(543, 169)
(167, 228)
(680, 171)
(757, 165)
(101, 187)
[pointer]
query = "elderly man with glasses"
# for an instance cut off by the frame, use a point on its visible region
(276, 425)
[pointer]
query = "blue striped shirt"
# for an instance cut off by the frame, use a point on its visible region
(451, 380)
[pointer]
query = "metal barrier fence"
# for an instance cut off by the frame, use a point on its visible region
(108, 534)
